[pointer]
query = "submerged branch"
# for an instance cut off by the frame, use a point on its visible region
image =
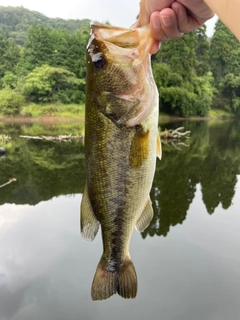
(174, 134)
(4, 138)
(10, 181)
(174, 137)
(64, 138)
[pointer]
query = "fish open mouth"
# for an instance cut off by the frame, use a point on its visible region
(122, 55)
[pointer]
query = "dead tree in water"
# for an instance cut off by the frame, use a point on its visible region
(175, 136)
(10, 181)
(4, 138)
(61, 138)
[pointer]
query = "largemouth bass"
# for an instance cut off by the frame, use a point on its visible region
(121, 146)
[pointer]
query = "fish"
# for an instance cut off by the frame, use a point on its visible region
(122, 144)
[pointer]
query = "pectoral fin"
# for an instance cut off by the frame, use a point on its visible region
(139, 151)
(88, 221)
(145, 217)
(159, 147)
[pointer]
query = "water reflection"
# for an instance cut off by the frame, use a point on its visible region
(212, 160)
(46, 169)
(46, 269)
(43, 169)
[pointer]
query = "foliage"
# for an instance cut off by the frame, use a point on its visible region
(224, 47)
(225, 64)
(180, 96)
(10, 102)
(58, 109)
(49, 84)
(181, 73)
(44, 58)
(9, 80)
(16, 21)
(57, 48)
(9, 55)
(38, 49)
(179, 55)
(219, 114)
(202, 51)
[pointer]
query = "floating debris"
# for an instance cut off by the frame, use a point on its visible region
(61, 138)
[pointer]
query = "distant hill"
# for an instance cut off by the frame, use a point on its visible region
(15, 22)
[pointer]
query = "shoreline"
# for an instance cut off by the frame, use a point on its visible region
(43, 120)
(58, 119)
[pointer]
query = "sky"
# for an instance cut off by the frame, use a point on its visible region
(119, 13)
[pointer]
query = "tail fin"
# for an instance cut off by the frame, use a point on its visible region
(107, 282)
(127, 280)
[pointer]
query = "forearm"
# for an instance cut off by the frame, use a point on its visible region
(229, 12)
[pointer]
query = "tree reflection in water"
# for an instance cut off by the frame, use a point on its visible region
(45, 169)
(212, 160)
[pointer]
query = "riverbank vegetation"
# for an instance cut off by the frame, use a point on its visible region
(43, 68)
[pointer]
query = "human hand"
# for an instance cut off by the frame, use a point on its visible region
(169, 19)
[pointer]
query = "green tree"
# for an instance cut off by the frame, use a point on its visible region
(9, 58)
(57, 48)
(180, 55)
(16, 21)
(202, 51)
(223, 45)
(49, 84)
(225, 65)
(38, 49)
(76, 52)
(3, 48)
(9, 80)
(181, 96)
(181, 73)
(10, 102)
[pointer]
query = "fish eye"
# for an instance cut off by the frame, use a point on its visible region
(99, 61)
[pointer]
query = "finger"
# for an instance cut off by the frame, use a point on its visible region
(155, 47)
(143, 14)
(164, 25)
(197, 9)
(135, 25)
(170, 24)
(148, 7)
(185, 20)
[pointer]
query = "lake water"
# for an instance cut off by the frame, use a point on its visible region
(187, 261)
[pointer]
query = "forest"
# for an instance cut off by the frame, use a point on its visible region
(43, 68)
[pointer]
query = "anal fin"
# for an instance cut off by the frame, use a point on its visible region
(146, 217)
(88, 221)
